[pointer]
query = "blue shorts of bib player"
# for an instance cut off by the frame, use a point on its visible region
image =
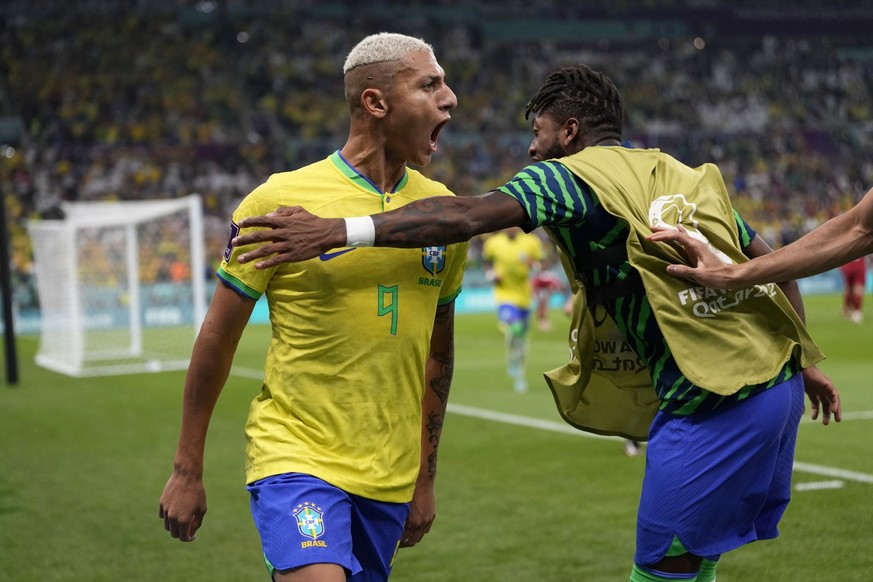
(732, 469)
(303, 520)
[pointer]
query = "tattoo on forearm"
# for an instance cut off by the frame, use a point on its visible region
(443, 314)
(431, 464)
(441, 381)
(442, 358)
(416, 224)
(434, 427)
(440, 369)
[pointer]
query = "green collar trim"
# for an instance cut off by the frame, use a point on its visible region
(352, 174)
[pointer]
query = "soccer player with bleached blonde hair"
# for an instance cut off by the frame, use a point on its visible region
(342, 439)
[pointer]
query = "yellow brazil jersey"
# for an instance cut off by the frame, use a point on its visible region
(512, 259)
(344, 372)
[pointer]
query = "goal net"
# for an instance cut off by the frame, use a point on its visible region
(121, 286)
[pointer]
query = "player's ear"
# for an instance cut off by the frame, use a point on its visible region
(570, 131)
(373, 102)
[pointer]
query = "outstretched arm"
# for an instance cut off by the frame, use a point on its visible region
(293, 234)
(823, 396)
(445, 220)
(836, 242)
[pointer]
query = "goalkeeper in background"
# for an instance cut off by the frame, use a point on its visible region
(342, 439)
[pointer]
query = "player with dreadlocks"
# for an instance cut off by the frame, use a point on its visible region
(715, 378)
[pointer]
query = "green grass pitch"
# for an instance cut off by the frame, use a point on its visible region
(84, 462)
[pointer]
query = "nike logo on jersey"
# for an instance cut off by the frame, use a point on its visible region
(333, 255)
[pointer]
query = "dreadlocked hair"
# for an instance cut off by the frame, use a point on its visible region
(583, 93)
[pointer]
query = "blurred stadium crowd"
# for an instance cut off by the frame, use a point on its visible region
(128, 100)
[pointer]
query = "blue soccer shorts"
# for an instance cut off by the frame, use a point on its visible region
(303, 520)
(510, 315)
(718, 480)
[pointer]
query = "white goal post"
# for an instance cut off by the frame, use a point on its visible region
(121, 286)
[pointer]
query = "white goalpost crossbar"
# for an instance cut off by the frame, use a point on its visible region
(121, 286)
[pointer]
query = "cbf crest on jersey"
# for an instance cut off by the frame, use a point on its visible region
(433, 259)
(309, 520)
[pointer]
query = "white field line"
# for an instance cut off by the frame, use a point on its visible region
(859, 415)
(567, 429)
(517, 420)
(831, 472)
(819, 485)
(564, 428)
(247, 373)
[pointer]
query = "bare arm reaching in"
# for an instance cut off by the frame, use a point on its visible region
(836, 242)
(823, 397)
(296, 235)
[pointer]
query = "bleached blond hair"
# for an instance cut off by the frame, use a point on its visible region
(383, 47)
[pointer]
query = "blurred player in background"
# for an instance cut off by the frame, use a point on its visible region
(510, 257)
(854, 281)
(546, 283)
(342, 440)
(721, 446)
(632, 448)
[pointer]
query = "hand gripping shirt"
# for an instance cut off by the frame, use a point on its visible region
(569, 196)
(351, 329)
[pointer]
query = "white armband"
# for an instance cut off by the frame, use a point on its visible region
(360, 231)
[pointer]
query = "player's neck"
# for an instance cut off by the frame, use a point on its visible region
(370, 160)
